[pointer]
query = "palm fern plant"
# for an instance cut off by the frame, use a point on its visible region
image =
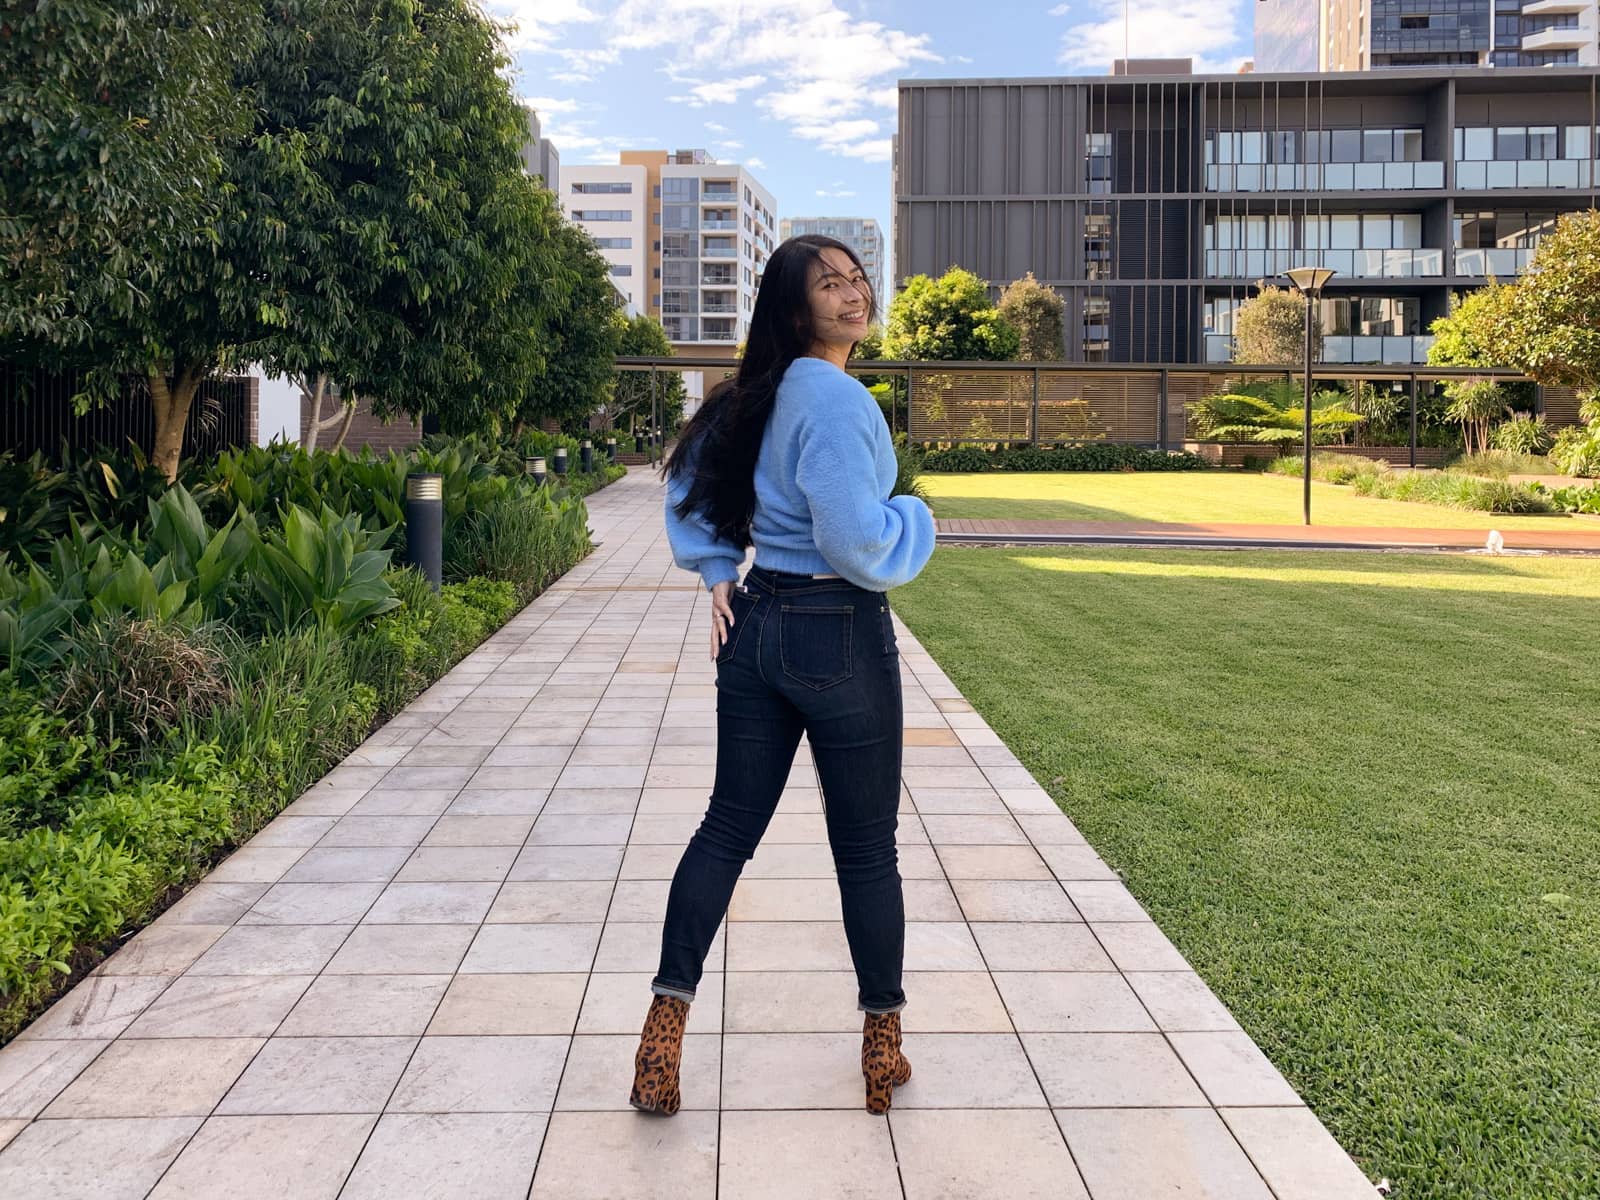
(1270, 412)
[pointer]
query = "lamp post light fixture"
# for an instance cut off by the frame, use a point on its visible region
(1309, 282)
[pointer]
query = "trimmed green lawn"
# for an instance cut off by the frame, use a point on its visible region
(1183, 496)
(1362, 795)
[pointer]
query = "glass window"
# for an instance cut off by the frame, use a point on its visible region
(1410, 145)
(1479, 144)
(1579, 142)
(1377, 231)
(1346, 232)
(1346, 145)
(1408, 230)
(1377, 145)
(1253, 146)
(1542, 141)
(1511, 143)
(621, 269)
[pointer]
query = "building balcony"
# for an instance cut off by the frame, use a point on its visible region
(710, 193)
(1573, 38)
(718, 335)
(720, 252)
(1351, 264)
(719, 224)
(1501, 262)
(1327, 177)
(1524, 173)
(711, 309)
(1553, 8)
(714, 280)
(1343, 349)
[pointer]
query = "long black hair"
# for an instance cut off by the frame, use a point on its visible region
(721, 441)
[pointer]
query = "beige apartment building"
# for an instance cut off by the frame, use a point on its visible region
(687, 238)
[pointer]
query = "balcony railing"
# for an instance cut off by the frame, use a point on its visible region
(717, 335)
(712, 192)
(1342, 348)
(1524, 173)
(1352, 264)
(720, 252)
(719, 225)
(719, 308)
(1500, 262)
(717, 281)
(1330, 177)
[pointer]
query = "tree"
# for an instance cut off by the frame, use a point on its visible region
(1270, 328)
(579, 336)
(112, 113)
(948, 319)
(643, 337)
(1037, 314)
(1552, 326)
(1474, 333)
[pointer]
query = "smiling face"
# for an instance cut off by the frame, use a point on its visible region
(841, 300)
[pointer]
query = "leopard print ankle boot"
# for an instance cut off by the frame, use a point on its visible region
(882, 1065)
(655, 1067)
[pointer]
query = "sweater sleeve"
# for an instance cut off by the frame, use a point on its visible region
(875, 543)
(695, 544)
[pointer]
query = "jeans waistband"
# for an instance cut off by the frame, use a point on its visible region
(790, 583)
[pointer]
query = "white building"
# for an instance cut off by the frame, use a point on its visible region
(687, 238)
(862, 234)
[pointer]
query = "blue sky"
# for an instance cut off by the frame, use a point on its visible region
(802, 91)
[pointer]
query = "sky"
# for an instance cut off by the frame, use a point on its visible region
(802, 92)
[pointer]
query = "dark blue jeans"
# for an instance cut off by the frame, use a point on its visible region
(816, 656)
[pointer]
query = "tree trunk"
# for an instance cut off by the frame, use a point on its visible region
(315, 425)
(171, 400)
(346, 419)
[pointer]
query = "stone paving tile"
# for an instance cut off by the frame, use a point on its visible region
(457, 929)
(267, 1158)
(448, 1156)
(956, 1154)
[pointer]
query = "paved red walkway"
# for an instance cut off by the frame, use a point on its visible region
(1564, 534)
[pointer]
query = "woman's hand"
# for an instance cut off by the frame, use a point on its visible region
(721, 611)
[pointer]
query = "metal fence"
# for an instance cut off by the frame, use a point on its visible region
(1142, 404)
(37, 413)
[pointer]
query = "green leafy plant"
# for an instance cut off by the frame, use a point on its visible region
(1270, 412)
(1108, 456)
(1522, 433)
(327, 570)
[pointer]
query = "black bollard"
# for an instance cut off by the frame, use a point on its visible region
(425, 525)
(534, 466)
(611, 449)
(561, 460)
(586, 455)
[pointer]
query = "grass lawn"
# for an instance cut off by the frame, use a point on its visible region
(1230, 496)
(1362, 795)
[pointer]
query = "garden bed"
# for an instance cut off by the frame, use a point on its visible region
(171, 681)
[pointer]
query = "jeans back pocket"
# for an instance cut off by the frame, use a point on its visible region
(814, 644)
(743, 604)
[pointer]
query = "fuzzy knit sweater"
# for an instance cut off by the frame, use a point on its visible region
(822, 482)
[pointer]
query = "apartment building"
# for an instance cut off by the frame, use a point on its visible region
(1360, 35)
(1156, 205)
(862, 234)
(687, 238)
(539, 156)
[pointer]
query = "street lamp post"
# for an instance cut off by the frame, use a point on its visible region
(1309, 282)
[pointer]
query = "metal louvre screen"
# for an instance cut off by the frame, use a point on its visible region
(1082, 406)
(971, 406)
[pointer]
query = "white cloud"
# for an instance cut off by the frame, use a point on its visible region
(1212, 34)
(961, 58)
(872, 150)
(819, 64)
(755, 163)
(544, 105)
(534, 22)
(714, 127)
(718, 91)
(829, 195)
(1060, 10)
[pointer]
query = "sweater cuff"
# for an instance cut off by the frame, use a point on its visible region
(721, 570)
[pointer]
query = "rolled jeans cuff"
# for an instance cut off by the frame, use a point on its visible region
(684, 994)
(881, 1011)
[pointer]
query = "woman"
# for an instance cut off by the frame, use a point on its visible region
(794, 457)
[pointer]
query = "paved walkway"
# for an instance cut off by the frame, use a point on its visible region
(1567, 535)
(426, 978)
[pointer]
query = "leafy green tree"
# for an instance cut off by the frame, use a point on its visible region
(948, 319)
(579, 336)
(112, 114)
(1270, 328)
(1474, 333)
(1036, 312)
(643, 337)
(1551, 329)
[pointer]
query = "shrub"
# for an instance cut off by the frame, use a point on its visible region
(1100, 457)
(908, 466)
(45, 762)
(1454, 489)
(1522, 433)
(326, 569)
(1498, 464)
(1576, 450)
(527, 535)
(137, 678)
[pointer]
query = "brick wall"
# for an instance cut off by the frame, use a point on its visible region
(365, 430)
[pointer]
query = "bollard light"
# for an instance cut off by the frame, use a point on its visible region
(561, 460)
(535, 467)
(611, 449)
(586, 455)
(425, 525)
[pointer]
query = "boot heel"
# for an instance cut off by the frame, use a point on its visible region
(655, 1066)
(883, 1066)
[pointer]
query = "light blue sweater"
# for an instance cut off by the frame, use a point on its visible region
(822, 481)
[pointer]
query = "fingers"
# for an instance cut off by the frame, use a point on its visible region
(720, 611)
